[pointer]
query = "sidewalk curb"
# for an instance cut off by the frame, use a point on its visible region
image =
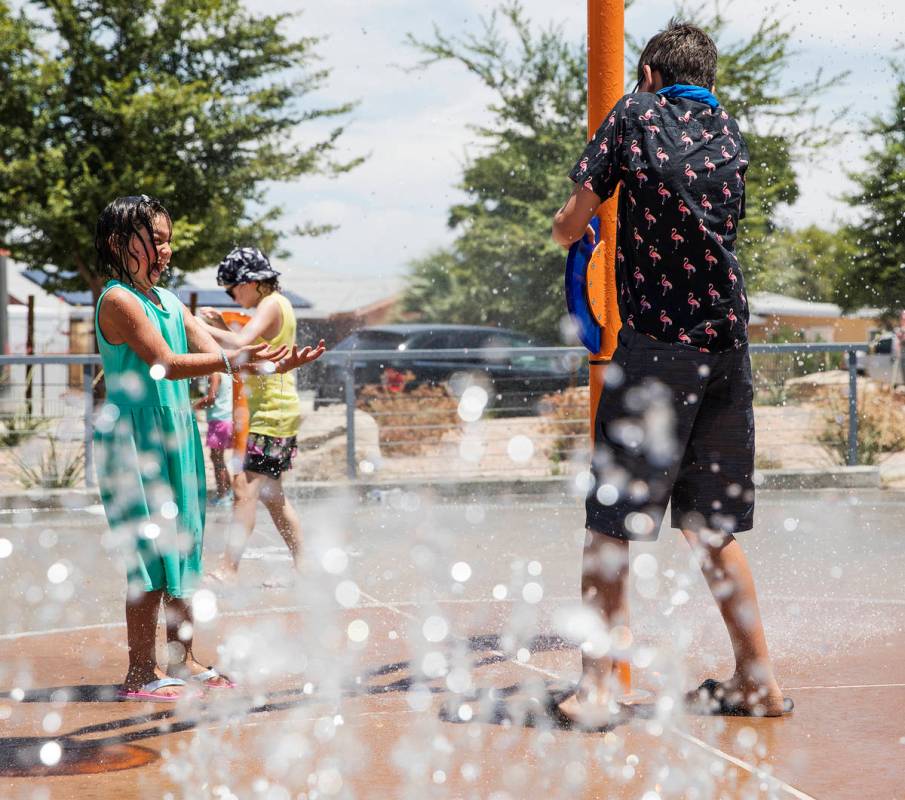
(566, 486)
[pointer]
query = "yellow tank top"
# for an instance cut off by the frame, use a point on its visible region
(273, 402)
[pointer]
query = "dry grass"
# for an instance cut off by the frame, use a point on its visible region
(409, 422)
(881, 424)
(565, 416)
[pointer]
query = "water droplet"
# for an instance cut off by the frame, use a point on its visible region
(6, 548)
(645, 566)
(500, 592)
(57, 573)
(461, 571)
(520, 448)
(151, 530)
(347, 594)
(158, 372)
(335, 561)
(357, 630)
(532, 592)
(51, 722)
(435, 629)
(169, 510)
(607, 494)
(50, 754)
(204, 605)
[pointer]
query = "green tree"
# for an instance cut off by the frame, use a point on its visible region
(875, 276)
(193, 101)
(503, 267)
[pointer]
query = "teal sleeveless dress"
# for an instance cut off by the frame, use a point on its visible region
(150, 465)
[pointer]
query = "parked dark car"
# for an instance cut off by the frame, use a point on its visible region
(513, 382)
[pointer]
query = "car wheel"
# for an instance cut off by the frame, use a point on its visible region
(458, 382)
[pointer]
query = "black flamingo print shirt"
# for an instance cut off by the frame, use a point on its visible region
(682, 168)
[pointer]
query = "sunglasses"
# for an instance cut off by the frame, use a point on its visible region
(230, 290)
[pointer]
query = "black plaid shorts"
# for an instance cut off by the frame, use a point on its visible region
(269, 455)
(674, 425)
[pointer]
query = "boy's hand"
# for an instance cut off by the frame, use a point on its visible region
(298, 358)
(589, 236)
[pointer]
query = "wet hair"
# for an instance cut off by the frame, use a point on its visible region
(121, 223)
(682, 53)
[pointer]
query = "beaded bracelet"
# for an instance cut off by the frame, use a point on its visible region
(229, 369)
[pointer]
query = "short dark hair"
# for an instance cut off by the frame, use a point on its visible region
(122, 219)
(682, 53)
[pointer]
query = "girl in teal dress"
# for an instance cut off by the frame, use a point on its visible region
(150, 462)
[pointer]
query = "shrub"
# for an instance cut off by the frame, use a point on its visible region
(55, 469)
(881, 424)
(411, 421)
(17, 428)
(565, 417)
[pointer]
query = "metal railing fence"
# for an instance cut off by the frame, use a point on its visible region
(21, 392)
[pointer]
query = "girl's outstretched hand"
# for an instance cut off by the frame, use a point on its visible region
(212, 317)
(252, 353)
(297, 357)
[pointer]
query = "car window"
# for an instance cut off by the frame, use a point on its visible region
(371, 340)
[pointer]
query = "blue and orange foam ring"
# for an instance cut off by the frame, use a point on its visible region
(577, 261)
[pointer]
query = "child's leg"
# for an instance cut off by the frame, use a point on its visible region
(283, 515)
(604, 580)
(246, 487)
(221, 473)
(728, 575)
(180, 631)
(141, 633)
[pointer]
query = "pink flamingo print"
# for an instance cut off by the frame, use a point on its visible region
(677, 238)
(744, 299)
(645, 306)
(686, 117)
(687, 140)
(620, 256)
(705, 203)
(641, 177)
(702, 228)
(683, 209)
(604, 147)
(729, 224)
(739, 180)
(588, 185)
(639, 239)
(733, 278)
(612, 120)
(629, 102)
(653, 129)
(664, 282)
(732, 318)
(662, 156)
(718, 238)
(723, 114)
(654, 254)
(647, 116)
(636, 151)
(706, 136)
(736, 344)
(583, 164)
(725, 153)
(693, 302)
(711, 333)
(684, 337)
(639, 278)
(664, 193)
(709, 164)
(714, 294)
(651, 219)
(689, 268)
(630, 321)
(665, 320)
(727, 192)
(710, 258)
(662, 101)
(631, 199)
(690, 174)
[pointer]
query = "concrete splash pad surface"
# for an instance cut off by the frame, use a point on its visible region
(417, 682)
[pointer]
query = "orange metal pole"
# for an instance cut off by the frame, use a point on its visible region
(606, 79)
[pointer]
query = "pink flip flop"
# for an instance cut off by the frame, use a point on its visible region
(148, 692)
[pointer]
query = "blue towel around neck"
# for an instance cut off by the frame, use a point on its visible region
(698, 93)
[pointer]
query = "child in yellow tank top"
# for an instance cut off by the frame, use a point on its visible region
(273, 403)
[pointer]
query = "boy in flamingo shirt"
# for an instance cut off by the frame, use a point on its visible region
(676, 421)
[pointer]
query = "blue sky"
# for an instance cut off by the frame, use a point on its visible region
(416, 125)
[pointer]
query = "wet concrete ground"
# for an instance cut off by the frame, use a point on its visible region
(393, 670)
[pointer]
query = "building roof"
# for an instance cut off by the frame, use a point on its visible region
(766, 304)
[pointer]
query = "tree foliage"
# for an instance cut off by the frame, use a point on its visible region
(875, 275)
(194, 101)
(503, 267)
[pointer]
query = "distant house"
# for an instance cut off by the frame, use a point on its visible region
(775, 315)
